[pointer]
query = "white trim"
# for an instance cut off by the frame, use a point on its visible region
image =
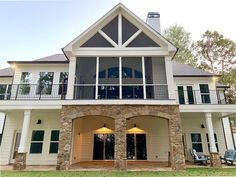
(119, 29)
(132, 38)
(97, 77)
(210, 130)
(71, 78)
(144, 79)
(208, 108)
(25, 131)
(107, 38)
(112, 52)
(120, 77)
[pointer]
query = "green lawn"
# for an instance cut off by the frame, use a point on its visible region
(187, 172)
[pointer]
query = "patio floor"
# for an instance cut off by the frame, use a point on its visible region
(109, 165)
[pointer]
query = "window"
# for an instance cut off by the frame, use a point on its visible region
(196, 142)
(205, 93)
(216, 142)
(45, 83)
(113, 72)
(63, 83)
(37, 141)
(54, 142)
(126, 72)
(25, 83)
(3, 89)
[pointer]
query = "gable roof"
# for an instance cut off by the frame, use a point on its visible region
(183, 70)
(118, 9)
(179, 69)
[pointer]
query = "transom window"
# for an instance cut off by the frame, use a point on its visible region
(121, 78)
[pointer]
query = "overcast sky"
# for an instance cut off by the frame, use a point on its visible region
(33, 29)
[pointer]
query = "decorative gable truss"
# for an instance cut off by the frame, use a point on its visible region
(119, 30)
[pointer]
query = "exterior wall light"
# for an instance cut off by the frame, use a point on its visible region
(39, 121)
(202, 126)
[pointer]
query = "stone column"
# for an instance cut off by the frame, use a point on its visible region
(65, 142)
(120, 143)
(214, 155)
(20, 159)
(176, 142)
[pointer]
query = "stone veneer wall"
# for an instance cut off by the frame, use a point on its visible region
(20, 161)
(120, 113)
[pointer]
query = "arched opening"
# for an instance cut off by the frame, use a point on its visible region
(147, 140)
(93, 139)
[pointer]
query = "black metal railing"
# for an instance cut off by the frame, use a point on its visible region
(205, 97)
(33, 91)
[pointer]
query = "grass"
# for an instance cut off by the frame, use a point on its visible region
(188, 172)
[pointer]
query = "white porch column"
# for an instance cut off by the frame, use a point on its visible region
(227, 131)
(170, 78)
(210, 130)
(71, 78)
(24, 132)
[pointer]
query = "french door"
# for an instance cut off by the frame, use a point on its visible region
(136, 147)
(16, 144)
(103, 148)
(186, 94)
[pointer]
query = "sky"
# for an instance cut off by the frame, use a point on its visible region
(33, 29)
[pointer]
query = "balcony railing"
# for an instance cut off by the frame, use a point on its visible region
(206, 97)
(33, 91)
(154, 92)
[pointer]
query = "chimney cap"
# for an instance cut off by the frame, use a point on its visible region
(153, 15)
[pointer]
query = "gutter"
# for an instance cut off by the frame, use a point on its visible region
(175, 53)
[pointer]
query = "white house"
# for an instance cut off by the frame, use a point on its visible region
(115, 94)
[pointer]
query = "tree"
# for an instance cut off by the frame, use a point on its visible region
(216, 53)
(182, 40)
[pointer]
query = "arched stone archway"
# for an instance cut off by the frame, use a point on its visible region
(121, 113)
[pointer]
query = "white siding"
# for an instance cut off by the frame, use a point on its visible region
(50, 121)
(191, 123)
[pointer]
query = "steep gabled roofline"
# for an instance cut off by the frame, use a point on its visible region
(68, 47)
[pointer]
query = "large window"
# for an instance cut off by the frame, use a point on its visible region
(136, 147)
(54, 142)
(196, 142)
(155, 76)
(108, 86)
(45, 83)
(85, 78)
(37, 141)
(121, 78)
(25, 83)
(63, 80)
(5, 91)
(103, 148)
(205, 93)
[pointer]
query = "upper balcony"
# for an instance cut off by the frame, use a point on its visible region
(129, 92)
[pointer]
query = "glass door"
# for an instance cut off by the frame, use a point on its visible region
(103, 148)
(186, 94)
(16, 144)
(136, 147)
